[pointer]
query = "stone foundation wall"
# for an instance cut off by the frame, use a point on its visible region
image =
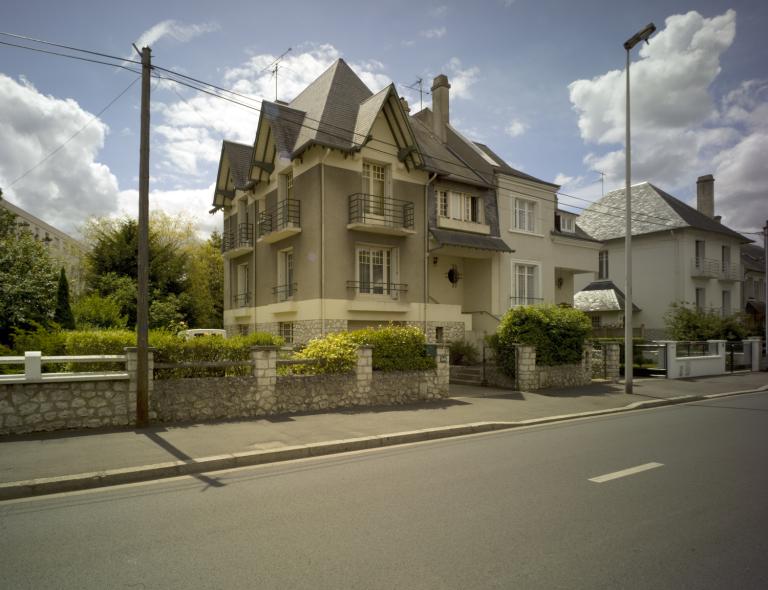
(34, 407)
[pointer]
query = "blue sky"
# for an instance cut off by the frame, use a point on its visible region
(539, 81)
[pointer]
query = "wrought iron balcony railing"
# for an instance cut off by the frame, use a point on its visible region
(729, 272)
(242, 237)
(371, 288)
(241, 300)
(284, 292)
(513, 301)
(286, 215)
(705, 267)
(379, 211)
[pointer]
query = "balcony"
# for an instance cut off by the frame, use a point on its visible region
(517, 301)
(729, 272)
(237, 242)
(280, 222)
(241, 300)
(704, 267)
(284, 292)
(380, 215)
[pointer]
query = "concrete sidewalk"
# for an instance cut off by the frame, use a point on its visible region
(51, 455)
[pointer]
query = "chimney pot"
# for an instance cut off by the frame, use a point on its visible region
(405, 105)
(440, 106)
(705, 195)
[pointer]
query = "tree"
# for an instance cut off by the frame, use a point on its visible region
(95, 311)
(691, 324)
(112, 261)
(27, 279)
(206, 283)
(63, 313)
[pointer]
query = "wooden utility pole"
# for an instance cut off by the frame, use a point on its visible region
(142, 304)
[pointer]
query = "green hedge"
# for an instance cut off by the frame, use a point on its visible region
(395, 348)
(558, 333)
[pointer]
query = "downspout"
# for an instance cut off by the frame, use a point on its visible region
(426, 249)
(322, 241)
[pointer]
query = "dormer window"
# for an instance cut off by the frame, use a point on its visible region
(567, 224)
(460, 206)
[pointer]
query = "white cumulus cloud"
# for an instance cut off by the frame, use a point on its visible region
(679, 129)
(175, 30)
(434, 33)
(515, 128)
(461, 79)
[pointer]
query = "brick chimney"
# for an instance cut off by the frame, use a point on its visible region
(440, 117)
(405, 105)
(705, 195)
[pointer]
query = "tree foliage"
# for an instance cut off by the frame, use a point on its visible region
(186, 275)
(27, 279)
(558, 333)
(690, 324)
(63, 313)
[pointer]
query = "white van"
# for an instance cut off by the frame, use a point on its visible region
(198, 332)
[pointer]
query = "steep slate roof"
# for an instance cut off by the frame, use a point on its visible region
(601, 296)
(504, 168)
(753, 257)
(653, 210)
(239, 156)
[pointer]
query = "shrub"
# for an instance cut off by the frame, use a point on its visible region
(463, 353)
(558, 333)
(170, 348)
(49, 342)
(396, 348)
(88, 342)
(338, 352)
(95, 311)
(690, 324)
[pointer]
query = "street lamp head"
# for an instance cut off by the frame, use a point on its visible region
(643, 35)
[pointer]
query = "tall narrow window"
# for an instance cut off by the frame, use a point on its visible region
(374, 187)
(726, 309)
(602, 258)
(700, 253)
(525, 284)
(243, 293)
(726, 264)
(443, 208)
(700, 298)
(285, 287)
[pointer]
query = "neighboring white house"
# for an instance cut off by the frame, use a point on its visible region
(679, 254)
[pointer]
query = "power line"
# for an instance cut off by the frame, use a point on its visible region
(96, 61)
(76, 133)
(325, 124)
(69, 47)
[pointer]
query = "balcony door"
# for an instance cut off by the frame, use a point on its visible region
(375, 190)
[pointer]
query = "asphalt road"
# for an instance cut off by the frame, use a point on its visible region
(514, 509)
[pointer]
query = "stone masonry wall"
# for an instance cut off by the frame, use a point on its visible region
(33, 407)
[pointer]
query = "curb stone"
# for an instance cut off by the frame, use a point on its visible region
(112, 477)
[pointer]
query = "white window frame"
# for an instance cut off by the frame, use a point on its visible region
(603, 268)
(242, 278)
(528, 297)
(286, 272)
(285, 331)
(285, 185)
(376, 172)
(458, 206)
(567, 224)
(524, 215)
(390, 273)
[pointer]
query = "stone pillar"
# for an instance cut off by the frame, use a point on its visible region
(586, 363)
(264, 360)
(756, 348)
(364, 372)
(443, 360)
(612, 354)
(33, 365)
(131, 367)
(525, 373)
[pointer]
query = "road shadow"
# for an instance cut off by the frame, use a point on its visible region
(210, 482)
(594, 389)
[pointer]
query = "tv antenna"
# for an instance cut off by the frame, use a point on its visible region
(602, 182)
(274, 67)
(421, 91)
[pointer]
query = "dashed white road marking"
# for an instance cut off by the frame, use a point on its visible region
(625, 472)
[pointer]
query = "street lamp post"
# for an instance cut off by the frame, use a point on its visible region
(642, 35)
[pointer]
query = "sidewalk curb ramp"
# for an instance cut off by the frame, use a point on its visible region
(112, 477)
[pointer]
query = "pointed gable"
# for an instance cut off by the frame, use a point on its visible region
(232, 174)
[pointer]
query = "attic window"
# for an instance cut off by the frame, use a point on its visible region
(566, 224)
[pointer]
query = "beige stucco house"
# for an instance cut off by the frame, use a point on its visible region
(679, 255)
(753, 288)
(348, 211)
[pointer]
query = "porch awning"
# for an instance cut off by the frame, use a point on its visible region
(467, 240)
